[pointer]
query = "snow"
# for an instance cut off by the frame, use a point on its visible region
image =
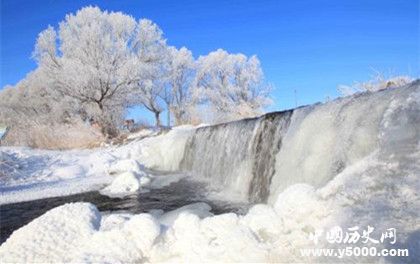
(35, 173)
(378, 187)
(35, 242)
(192, 234)
(79, 237)
(199, 209)
(142, 134)
(163, 152)
(130, 178)
(124, 165)
(124, 184)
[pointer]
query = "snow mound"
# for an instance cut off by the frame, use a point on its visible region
(53, 236)
(130, 178)
(202, 210)
(125, 184)
(72, 233)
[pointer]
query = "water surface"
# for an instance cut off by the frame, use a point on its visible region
(173, 196)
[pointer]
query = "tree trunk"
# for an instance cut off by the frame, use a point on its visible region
(168, 108)
(177, 118)
(178, 115)
(157, 119)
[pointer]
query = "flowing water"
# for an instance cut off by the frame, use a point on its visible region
(239, 155)
(173, 196)
(255, 159)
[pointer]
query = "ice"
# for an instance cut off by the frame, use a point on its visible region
(200, 209)
(130, 177)
(125, 184)
(163, 152)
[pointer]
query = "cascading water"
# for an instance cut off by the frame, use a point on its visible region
(259, 157)
(265, 145)
(238, 156)
(221, 154)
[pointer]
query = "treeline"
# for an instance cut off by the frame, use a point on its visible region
(97, 64)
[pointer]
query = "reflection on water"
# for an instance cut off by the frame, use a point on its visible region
(173, 196)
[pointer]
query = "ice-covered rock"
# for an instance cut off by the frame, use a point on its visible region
(125, 184)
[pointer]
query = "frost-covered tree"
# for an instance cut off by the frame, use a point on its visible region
(376, 83)
(151, 53)
(90, 59)
(39, 117)
(32, 99)
(177, 93)
(231, 85)
(96, 63)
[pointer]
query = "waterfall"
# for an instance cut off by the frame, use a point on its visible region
(265, 145)
(238, 156)
(256, 159)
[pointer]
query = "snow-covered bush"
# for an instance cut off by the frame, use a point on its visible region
(376, 83)
(38, 116)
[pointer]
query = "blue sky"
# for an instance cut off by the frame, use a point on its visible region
(310, 46)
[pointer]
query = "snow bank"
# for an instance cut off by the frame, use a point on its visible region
(31, 174)
(163, 152)
(53, 236)
(72, 233)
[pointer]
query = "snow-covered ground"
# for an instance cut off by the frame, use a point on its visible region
(29, 174)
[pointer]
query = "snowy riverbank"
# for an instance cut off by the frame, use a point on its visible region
(31, 174)
(350, 166)
(267, 233)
